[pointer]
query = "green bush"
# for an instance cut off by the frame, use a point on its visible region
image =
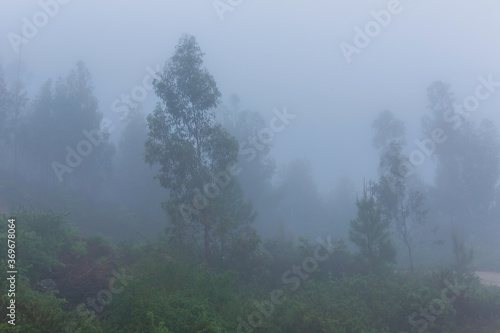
(178, 296)
(41, 312)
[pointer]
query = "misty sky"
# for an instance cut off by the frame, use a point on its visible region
(276, 54)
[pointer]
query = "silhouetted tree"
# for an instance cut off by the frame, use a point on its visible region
(75, 144)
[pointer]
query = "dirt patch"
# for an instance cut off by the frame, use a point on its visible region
(489, 278)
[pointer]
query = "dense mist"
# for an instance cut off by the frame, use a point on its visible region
(285, 166)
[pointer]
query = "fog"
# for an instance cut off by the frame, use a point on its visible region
(274, 54)
(333, 66)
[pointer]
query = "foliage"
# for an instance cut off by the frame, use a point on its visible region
(359, 303)
(41, 312)
(369, 232)
(175, 295)
(79, 249)
(173, 292)
(40, 237)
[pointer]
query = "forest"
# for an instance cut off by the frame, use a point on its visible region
(182, 205)
(202, 266)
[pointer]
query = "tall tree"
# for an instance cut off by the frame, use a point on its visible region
(400, 197)
(467, 162)
(196, 156)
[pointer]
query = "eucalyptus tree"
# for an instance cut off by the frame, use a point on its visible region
(196, 156)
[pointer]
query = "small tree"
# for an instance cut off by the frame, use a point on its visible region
(370, 232)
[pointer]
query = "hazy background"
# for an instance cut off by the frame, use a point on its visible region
(275, 54)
